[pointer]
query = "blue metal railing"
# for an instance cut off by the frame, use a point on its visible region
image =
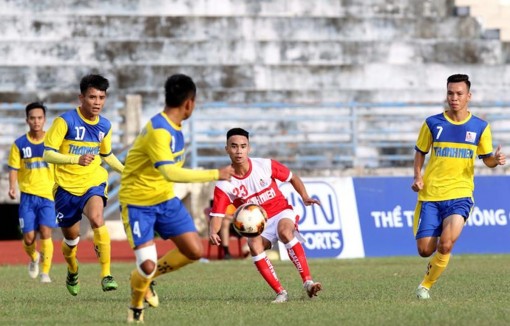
(328, 135)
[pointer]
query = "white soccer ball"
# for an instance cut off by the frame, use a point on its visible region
(249, 220)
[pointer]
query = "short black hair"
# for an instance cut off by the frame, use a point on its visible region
(178, 89)
(35, 105)
(238, 132)
(94, 81)
(459, 78)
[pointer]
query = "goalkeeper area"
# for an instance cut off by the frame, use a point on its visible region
(370, 291)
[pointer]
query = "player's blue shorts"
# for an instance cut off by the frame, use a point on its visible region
(168, 219)
(431, 214)
(35, 211)
(70, 207)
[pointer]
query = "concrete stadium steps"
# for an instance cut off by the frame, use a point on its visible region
(378, 82)
(195, 29)
(242, 52)
(278, 50)
(289, 8)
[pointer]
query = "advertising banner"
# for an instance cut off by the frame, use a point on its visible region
(332, 228)
(373, 217)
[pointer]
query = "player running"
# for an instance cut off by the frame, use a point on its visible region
(35, 180)
(445, 193)
(147, 198)
(76, 143)
(254, 181)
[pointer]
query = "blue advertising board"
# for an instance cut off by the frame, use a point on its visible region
(386, 210)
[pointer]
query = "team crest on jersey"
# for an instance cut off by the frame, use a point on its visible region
(101, 135)
(262, 183)
(470, 136)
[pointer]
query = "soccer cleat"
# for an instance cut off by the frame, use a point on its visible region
(312, 288)
(33, 267)
(45, 278)
(422, 292)
(151, 297)
(72, 283)
(108, 283)
(135, 315)
(281, 297)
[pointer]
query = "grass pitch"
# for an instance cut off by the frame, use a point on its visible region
(474, 290)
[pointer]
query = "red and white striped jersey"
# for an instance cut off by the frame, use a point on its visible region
(257, 186)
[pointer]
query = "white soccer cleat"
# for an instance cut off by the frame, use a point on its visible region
(45, 278)
(281, 297)
(33, 267)
(312, 288)
(422, 292)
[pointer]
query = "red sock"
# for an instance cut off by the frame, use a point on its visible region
(265, 268)
(297, 255)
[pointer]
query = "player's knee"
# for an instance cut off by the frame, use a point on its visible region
(147, 268)
(425, 251)
(445, 247)
(194, 253)
(72, 242)
(96, 221)
(29, 238)
(286, 235)
(146, 260)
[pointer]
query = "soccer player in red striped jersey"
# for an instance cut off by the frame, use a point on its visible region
(255, 181)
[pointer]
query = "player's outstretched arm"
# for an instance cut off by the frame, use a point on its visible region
(54, 157)
(174, 173)
(114, 162)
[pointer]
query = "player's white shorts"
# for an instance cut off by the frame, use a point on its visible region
(270, 231)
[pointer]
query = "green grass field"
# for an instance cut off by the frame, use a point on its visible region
(474, 290)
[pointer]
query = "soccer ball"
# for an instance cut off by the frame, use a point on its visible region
(249, 220)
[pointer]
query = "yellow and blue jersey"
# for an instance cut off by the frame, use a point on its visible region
(160, 142)
(35, 176)
(453, 148)
(73, 134)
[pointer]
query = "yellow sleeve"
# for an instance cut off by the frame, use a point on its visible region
(424, 139)
(106, 145)
(14, 158)
(58, 158)
(485, 145)
(174, 173)
(114, 163)
(55, 135)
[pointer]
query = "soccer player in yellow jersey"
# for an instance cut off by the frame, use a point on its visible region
(148, 202)
(445, 193)
(35, 180)
(76, 143)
